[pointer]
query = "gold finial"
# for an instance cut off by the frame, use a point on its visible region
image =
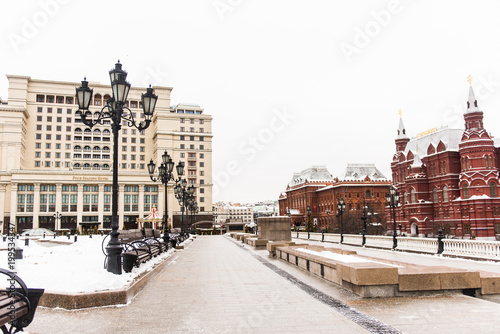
(400, 112)
(469, 79)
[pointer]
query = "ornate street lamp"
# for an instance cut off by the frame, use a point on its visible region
(392, 199)
(117, 112)
(363, 218)
(327, 219)
(182, 193)
(165, 175)
(57, 218)
(341, 209)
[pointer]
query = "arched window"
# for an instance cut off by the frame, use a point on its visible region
(412, 196)
(405, 198)
(465, 189)
(435, 195)
(87, 132)
(97, 132)
(77, 166)
(78, 130)
(106, 132)
(77, 148)
(97, 148)
(87, 149)
(95, 166)
(86, 166)
(493, 189)
(368, 194)
(445, 194)
(105, 166)
(105, 149)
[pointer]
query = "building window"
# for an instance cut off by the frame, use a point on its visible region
(182, 138)
(435, 195)
(493, 189)
(412, 196)
(466, 228)
(465, 189)
(445, 194)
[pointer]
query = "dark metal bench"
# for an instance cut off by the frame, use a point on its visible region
(17, 304)
(139, 246)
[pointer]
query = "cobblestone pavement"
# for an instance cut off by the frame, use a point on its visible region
(213, 286)
(218, 285)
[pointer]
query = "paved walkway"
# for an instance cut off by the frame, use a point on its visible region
(219, 286)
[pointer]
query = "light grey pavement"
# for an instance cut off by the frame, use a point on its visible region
(217, 285)
(213, 286)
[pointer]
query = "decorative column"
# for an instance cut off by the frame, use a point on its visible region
(79, 205)
(36, 204)
(13, 205)
(100, 206)
(121, 204)
(58, 222)
(3, 187)
(141, 201)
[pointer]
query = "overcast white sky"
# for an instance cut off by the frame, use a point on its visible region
(289, 83)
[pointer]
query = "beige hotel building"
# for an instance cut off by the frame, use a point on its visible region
(50, 162)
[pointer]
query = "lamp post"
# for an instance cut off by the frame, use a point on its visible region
(117, 112)
(392, 198)
(182, 192)
(363, 218)
(327, 219)
(165, 175)
(57, 218)
(341, 209)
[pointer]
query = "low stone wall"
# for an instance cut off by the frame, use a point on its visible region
(375, 278)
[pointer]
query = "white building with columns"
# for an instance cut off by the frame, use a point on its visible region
(50, 162)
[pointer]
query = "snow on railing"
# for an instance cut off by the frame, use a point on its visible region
(353, 239)
(472, 248)
(378, 241)
(315, 236)
(453, 247)
(330, 237)
(421, 245)
(301, 235)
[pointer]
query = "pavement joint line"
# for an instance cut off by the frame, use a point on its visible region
(369, 323)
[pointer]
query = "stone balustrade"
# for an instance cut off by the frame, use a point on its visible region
(353, 239)
(420, 245)
(316, 236)
(472, 248)
(452, 247)
(379, 241)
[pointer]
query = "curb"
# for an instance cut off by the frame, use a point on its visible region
(77, 301)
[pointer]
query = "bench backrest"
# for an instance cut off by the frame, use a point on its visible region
(148, 233)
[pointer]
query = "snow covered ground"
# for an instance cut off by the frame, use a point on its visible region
(71, 267)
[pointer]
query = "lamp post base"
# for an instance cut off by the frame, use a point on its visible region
(114, 258)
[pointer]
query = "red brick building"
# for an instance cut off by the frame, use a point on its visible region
(448, 179)
(360, 185)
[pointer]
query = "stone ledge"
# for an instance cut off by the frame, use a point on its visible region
(73, 301)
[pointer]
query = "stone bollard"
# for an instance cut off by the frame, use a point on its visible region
(90, 236)
(55, 235)
(69, 236)
(27, 241)
(4, 238)
(44, 235)
(102, 233)
(76, 237)
(440, 242)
